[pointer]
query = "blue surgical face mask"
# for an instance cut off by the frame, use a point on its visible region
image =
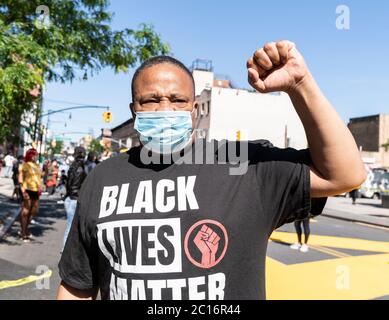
(164, 132)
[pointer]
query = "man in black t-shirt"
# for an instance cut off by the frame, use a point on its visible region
(155, 223)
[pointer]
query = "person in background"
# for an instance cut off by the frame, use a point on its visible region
(90, 163)
(303, 247)
(51, 182)
(15, 177)
(9, 162)
(1, 165)
(62, 184)
(30, 176)
(354, 195)
(76, 176)
(45, 169)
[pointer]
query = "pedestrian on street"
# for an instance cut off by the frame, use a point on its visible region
(75, 178)
(9, 162)
(150, 227)
(15, 178)
(303, 247)
(52, 177)
(354, 195)
(2, 165)
(30, 176)
(90, 163)
(45, 169)
(62, 184)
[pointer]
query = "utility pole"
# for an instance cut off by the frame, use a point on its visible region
(37, 117)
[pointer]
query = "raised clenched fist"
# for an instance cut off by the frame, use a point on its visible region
(207, 241)
(278, 66)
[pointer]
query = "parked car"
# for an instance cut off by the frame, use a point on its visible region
(376, 183)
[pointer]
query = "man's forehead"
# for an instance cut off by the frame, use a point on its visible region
(163, 76)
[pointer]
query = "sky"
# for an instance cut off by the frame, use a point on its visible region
(351, 66)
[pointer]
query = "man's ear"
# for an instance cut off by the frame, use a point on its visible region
(195, 115)
(132, 110)
(196, 108)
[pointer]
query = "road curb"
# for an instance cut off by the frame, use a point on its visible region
(345, 216)
(10, 219)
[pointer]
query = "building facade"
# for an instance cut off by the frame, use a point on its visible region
(124, 136)
(370, 134)
(231, 113)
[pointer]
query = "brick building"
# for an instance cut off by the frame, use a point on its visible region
(370, 133)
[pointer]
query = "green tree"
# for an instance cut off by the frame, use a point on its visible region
(54, 147)
(21, 65)
(77, 43)
(95, 147)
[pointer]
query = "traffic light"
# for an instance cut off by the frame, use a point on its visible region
(107, 116)
(238, 135)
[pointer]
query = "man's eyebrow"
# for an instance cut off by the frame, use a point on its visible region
(179, 95)
(149, 95)
(156, 95)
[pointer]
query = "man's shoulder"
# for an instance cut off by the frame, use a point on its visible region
(264, 150)
(260, 150)
(114, 163)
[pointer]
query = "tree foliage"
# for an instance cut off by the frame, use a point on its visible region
(96, 147)
(54, 147)
(21, 70)
(76, 43)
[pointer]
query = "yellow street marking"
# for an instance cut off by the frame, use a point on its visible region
(368, 278)
(330, 251)
(336, 242)
(349, 277)
(372, 226)
(20, 282)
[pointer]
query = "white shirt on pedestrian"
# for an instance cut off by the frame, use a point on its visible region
(9, 160)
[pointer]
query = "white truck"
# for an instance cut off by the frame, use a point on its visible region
(377, 182)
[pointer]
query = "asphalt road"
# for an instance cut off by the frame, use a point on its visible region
(346, 260)
(21, 263)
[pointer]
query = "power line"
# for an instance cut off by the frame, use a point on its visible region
(66, 102)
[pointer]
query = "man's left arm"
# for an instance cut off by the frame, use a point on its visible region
(337, 165)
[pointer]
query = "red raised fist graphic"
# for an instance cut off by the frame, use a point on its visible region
(207, 241)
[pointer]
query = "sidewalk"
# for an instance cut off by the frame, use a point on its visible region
(365, 211)
(8, 208)
(20, 261)
(6, 187)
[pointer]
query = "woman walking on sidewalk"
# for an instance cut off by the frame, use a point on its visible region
(30, 176)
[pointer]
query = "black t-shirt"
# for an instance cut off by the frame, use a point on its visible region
(185, 231)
